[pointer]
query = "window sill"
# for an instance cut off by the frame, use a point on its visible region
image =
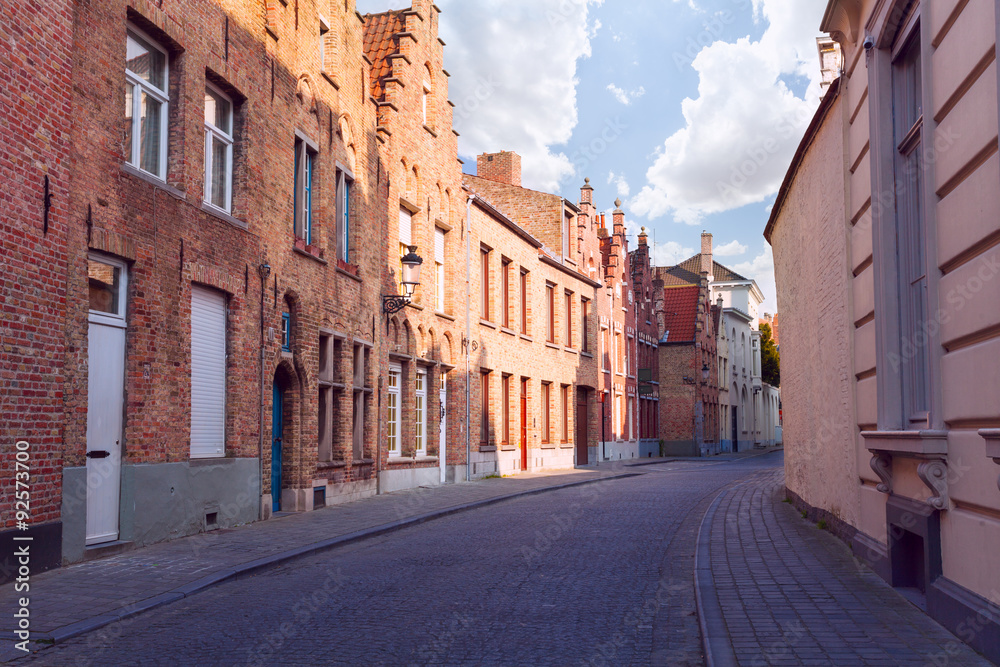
(510, 332)
(487, 448)
(566, 445)
(329, 77)
(414, 305)
(552, 346)
(306, 253)
(211, 461)
(508, 448)
(403, 460)
(571, 350)
(587, 354)
(348, 274)
(155, 181)
(913, 443)
(331, 465)
(222, 215)
(444, 316)
(547, 445)
(527, 338)
(487, 323)
(992, 438)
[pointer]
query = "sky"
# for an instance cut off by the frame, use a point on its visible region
(689, 111)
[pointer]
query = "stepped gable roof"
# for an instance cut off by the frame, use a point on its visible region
(680, 313)
(380, 43)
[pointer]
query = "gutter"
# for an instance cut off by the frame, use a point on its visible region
(468, 338)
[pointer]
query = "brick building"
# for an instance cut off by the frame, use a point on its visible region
(36, 175)
(532, 324)
(422, 398)
(645, 288)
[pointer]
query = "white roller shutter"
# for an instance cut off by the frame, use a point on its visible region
(439, 245)
(208, 373)
(405, 223)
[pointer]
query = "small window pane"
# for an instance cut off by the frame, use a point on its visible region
(218, 111)
(129, 103)
(220, 167)
(149, 134)
(144, 61)
(105, 286)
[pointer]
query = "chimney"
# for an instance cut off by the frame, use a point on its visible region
(618, 216)
(707, 265)
(587, 192)
(503, 167)
(643, 239)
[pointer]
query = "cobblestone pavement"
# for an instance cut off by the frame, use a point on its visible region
(792, 594)
(62, 597)
(597, 574)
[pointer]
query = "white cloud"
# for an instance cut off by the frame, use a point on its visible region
(626, 97)
(515, 78)
(621, 184)
(730, 249)
(761, 269)
(670, 253)
(741, 131)
(379, 6)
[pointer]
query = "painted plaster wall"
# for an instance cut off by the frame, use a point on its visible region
(810, 245)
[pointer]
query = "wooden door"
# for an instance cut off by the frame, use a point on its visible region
(524, 425)
(582, 434)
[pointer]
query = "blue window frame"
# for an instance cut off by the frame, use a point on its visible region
(302, 204)
(286, 332)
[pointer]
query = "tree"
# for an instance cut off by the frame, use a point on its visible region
(770, 362)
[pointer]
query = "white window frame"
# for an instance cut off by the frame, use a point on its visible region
(439, 235)
(345, 183)
(101, 317)
(394, 404)
(162, 96)
(212, 131)
(420, 412)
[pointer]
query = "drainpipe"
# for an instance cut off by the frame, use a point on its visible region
(263, 271)
(468, 340)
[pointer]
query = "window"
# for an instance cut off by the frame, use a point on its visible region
(505, 294)
(286, 332)
(524, 302)
(484, 260)
(567, 318)
(506, 409)
(585, 325)
(425, 100)
(605, 354)
(484, 419)
(546, 413)
(218, 148)
(361, 357)
(305, 157)
(394, 410)
(628, 357)
(326, 365)
(550, 321)
(208, 373)
(910, 230)
(629, 421)
(420, 413)
(107, 288)
(565, 413)
(439, 240)
(146, 104)
(324, 28)
(405, 239)
(344, 187)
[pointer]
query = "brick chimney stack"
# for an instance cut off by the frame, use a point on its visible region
(503, 167)
(707, 265)
(643, 239)
(618, 217)
(587, 192)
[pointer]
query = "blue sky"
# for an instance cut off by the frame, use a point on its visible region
(688, 110)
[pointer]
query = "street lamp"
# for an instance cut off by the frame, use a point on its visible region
(410, 279)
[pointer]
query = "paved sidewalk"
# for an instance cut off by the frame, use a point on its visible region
(702, 460)
(75, 599)
(776, 590)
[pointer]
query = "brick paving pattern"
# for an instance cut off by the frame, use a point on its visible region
(792, 594)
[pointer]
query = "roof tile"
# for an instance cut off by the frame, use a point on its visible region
(680, 313)
(380, 43)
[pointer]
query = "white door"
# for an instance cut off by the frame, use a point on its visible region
(443, 442)
(105, 396)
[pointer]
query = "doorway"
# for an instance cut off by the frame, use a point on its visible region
(277, 429)
(443, 438)
(582, 433)
(736, 431)
(108, 286)
(524, 424)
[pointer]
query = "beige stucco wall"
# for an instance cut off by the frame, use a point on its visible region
(811, 250)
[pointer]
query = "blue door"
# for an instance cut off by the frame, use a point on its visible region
(276, 430)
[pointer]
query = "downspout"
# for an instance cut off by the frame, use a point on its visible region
(468, 339)
(260, 445)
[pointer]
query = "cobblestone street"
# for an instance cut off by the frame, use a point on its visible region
(535, 580)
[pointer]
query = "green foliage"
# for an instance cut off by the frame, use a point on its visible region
(770, 363)
(821, 524)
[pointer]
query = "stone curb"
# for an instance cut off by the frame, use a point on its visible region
(255, 566)
(714, 631)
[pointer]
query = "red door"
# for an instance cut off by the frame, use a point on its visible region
(582, 414)
(524, 424)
